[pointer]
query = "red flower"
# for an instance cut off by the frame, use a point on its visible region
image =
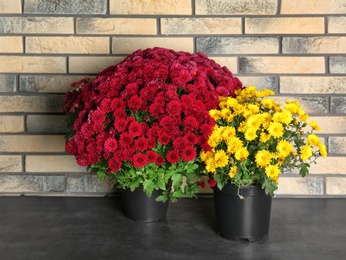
(135, 103)
(164, 138)
(173, 156)
(152, 156)
(141, 144)
(71, 147)
(98, 116)
(201, 184)
(188, 154)
(160, 160)
(126, 139)
(173, 108)
(135, 129)
(111, 145)
(114, 164)
(212, 182)
(140, 160)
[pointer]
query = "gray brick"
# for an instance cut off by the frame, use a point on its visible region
(46, 124)
(261, 82)
(337, 64)
(7, 83)
(237, 45)
(338, 105)
(314, 45)
(83, 183)
(65, 6)
(337, 145)
(32, 183)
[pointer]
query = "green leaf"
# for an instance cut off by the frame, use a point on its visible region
(148, 186)
(177, 179)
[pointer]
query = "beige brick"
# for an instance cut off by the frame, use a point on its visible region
(329, 165)
(283, 25)
(11, 124)
(300, 186)
(52, 163)
(229, 62)
(10, 163)
(127, 45)
(201, 26)
(313, 85)
(46, 124)
(10, 7)
(18, 64)
(47, 84)
(80, 45)
(32, 143)
(46, 104)
(11, 44)
(91, 64)
(287, 65)
(42, 25)
(127, 26)
(314, 45)
(336, 185)
(331, 124)
(313, 7)
(145, 7)
(337, 24)
(229, 7)
(337, 145)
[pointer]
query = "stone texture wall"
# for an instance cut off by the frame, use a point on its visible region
(295, 47)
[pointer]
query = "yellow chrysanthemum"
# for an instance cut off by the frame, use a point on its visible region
(264, 93)
(314, 125)
(292, 106)
(268, 103)
(302, 115)
(233, 144)
(276, 129)
(305, 152)
(272, 171)
(214, 139)
(220, 158)
(232, 171)
(264, 137)
(228, 132)
(263, 158)
(241, 154)
(284, 148)
(225, 113)
(284, 117)
(253, 108)
(254, 122)
(323, 150)
(214, 113)
(232, 102)
(313, 139)
(250, 134)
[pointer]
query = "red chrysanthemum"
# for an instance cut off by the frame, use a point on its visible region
(188, 154)
(111, 145)
(126, 139)
(141, 144)
(173, 156)
(135, 129)
(114, 164)
(152, 156)
(140, 160)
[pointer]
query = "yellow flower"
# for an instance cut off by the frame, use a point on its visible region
(276, 129)
(263, 158)
(241, 154)
(232, 102)
(250, 134)
(323, 150)
(306, 152)
(264, 93)
(314, 125)
(283, 117)
(268, 103)
(292, 106)
(264, 137)
(272, 171)
(302, 115)
(254, 122)
(228, 132)
(220, 158)
(233, 144)
(313, 139)
(214, 139)
(232, 171)
(253, 108)
(225, 113)
(214, 113)
(284, 148)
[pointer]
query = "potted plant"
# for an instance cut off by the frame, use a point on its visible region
(254, 140)
(142, 123)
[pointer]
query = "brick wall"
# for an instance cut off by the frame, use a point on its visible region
(295, 47)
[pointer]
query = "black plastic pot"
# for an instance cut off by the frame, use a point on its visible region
(242, 219)
(139, 207)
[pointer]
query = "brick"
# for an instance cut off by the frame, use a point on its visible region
(229, 7)
(300, 186)
(91, 64)
(52, 163)
(312, 7)
(229, 62)
(15, 7)
(201, 26)
(283, 25)
(337, 24)
(76, 45)
(337, 145)
(42, 25)
(336, 185)
(331, 124)
(46, 124)
(337, 64)
(338, 105)
(10, 163)
(127, 45)
(127, 26)
(146, 7)
(65, 7)
(314, 45)
(311, 105)
(83, 183)
(35, 104)
(261, 82)
(279, 65)
(32, 183)
(11, 44)
(11, 124)
(47, 84)
(8, 83)
(313, 85)
(32, 143)
(13, 64)
(237, 45)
